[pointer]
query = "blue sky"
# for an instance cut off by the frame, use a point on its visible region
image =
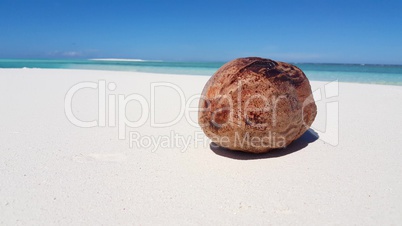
(296, 31)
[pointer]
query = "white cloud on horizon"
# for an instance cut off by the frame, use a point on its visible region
(72, 53)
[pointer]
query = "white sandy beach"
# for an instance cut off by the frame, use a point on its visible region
(54, 172)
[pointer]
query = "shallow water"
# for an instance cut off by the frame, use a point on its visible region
(378, 74)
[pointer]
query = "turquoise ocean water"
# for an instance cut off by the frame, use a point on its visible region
(376, 74)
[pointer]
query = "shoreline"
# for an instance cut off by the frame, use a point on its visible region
(172, 74)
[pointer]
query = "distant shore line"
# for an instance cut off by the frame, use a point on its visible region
(124, 60)
(187, 61)
(369, 74)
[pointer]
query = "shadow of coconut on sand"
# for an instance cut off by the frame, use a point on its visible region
(308, 137)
